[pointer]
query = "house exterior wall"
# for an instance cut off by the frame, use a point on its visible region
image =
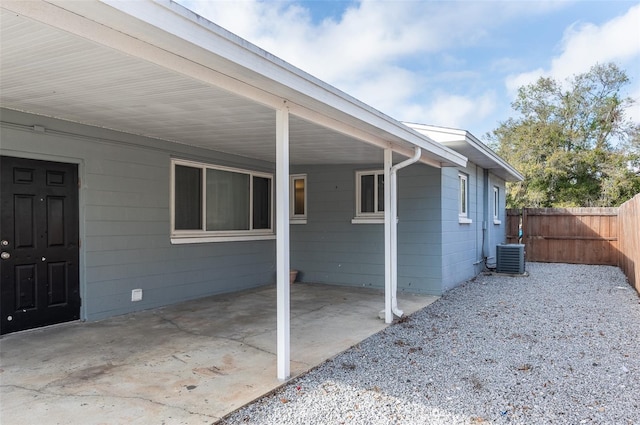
(125, 222)
(497, 233)
(435, 251)
(465, 245)
(419, 229)
(125, 218)
(461, 242)
(330, 249)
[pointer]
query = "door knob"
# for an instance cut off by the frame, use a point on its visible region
(5, 255)
(4, 242)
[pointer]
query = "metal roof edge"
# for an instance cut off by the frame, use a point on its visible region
(491, 154)
(474, 143)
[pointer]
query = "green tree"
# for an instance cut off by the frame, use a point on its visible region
(572, 142)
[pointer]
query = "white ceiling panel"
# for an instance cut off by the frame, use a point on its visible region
(49, 72)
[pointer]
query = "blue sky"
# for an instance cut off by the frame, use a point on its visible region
(447, 63)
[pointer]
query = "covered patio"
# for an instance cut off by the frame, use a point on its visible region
(192, 362)
(142, 83)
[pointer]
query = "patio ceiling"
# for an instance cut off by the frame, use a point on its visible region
(57, 60)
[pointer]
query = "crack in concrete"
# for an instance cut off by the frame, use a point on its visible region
(305, 313)
(242, 341)
(178, 327)
(109, 396)
(239, 340)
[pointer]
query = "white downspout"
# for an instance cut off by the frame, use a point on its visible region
(387, 313)
(393, 214)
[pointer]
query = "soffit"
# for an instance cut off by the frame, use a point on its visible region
(468, 145)
(49, 72)
(162, 51)
(488, 161)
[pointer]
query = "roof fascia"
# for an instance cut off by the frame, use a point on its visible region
(490, 154)
(457, 135)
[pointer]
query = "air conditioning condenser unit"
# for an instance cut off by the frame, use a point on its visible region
(510, 258)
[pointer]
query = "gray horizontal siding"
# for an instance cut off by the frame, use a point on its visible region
(419, 229)
(125, 218)
(125, 223)
(330, 249)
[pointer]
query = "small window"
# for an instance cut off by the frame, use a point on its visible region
(369, 197)
(463, 199)
(298, 198)
(496, 205)
(218, 202)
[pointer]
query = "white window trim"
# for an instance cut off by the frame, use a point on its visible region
(293, 217)
(203, 236)
(496, 205)
(463, 216)
(367, 220)
(376, 217)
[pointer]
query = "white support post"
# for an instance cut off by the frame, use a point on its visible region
(282, 244)
(388, 254)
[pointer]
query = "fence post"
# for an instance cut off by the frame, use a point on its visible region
(525, 233)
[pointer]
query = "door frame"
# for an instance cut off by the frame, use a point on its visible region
(81, 216)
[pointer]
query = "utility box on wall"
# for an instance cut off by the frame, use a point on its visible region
(510, 258)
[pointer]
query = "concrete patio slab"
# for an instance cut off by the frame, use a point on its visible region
(191, 363)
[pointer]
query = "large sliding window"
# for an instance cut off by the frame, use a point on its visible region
(219, 203)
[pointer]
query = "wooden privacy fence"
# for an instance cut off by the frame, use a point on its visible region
(609, 236)
(629, 240)
(571, 235)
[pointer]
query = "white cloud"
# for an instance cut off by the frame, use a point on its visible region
(585, 44)
(368, 35)
(377, 49)
(515, 81)
(634, 112)
(387, 88)
(455, 111)
(362, 51)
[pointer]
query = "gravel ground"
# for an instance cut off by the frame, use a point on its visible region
(560, 346)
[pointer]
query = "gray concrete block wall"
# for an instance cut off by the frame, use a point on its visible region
(496, 232)
(461, 243)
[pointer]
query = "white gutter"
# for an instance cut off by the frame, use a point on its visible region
(391, 232)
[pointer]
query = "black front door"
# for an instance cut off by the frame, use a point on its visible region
(39, 274)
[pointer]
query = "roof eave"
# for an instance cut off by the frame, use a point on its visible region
(494, 157)
(450, 136)
(278, 82)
